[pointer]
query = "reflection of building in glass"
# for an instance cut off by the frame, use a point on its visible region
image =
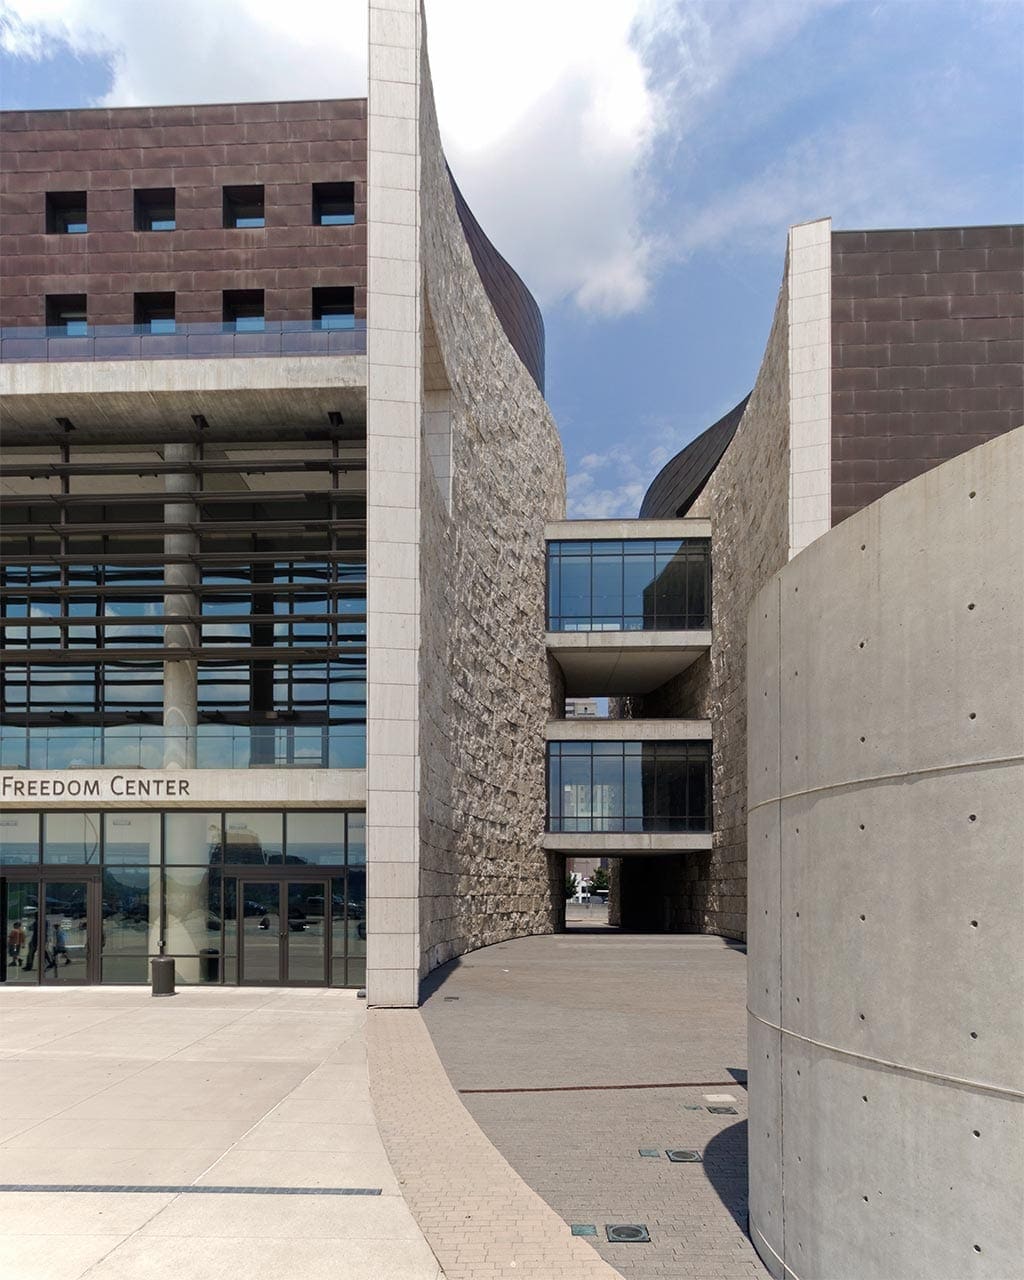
(628, 787)
(187, 877)
(629, 585)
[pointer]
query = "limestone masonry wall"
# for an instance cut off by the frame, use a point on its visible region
(484, 691)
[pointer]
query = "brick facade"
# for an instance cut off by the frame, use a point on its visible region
(197, 151)
(927, 346)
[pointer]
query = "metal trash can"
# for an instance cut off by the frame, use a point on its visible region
(163, 975)
(209, 964)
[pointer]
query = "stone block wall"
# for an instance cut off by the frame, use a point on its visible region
(484, 688)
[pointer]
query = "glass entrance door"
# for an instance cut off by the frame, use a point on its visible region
(50, 931)
(284, 932)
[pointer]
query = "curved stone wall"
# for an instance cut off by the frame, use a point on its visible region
(484, 692)
(513, 303)
(886, 806)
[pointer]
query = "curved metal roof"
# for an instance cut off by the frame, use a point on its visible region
(514, 305)
(676, 487)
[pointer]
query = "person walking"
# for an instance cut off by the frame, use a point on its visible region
(60, 943)
(15, 942)
(33, 944)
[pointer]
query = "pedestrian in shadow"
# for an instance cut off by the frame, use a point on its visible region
(33, 944)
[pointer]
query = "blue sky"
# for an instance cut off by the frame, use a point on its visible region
(638, 161)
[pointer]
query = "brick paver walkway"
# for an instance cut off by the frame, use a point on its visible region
(481, 1219)
(604, 1009)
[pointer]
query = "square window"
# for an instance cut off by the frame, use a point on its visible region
(334, 308)
(66, 213)
(154, 209)
(243, 207)
(154, 312)
(334, 204)
(243, 310)
(66, 315)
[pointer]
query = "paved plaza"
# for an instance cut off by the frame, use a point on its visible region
(242, 1089)
(515, 1104)
(523, 1026)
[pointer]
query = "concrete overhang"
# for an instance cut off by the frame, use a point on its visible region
(627, 730)
(609, 844)
(601, 664)
(599, 530)
(135, 399)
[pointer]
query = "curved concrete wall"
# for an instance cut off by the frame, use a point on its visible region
(886, 776)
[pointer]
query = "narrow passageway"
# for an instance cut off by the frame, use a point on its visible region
(575, 1051)
(588, 917)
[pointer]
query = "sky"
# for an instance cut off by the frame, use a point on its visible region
(637, 161)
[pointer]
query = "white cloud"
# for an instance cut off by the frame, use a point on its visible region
(607, 485)
(547, 125)
(202, 50)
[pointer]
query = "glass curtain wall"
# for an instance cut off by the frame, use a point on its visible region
(629, 787)
(634, 585)
(175, 875)
(273, 556)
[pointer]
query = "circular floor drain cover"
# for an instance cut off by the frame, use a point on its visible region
(628, 1233)
(682, 1156)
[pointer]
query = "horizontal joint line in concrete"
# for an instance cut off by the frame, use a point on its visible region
(190, 1190)
(875, 779)
(594, 1088)
(936, 1077)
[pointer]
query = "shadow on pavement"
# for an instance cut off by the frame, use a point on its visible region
(725, 1164)
(436, 979)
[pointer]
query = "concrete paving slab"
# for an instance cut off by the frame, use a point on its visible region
(26, 1161)
(251, 1167)
(155, 1258)
(220, 1106)
(121, 1090)
(257, 1217)
(353, 1108)
(26, 1213)
(158, 1135)
(57, 1257)
(284, 1135)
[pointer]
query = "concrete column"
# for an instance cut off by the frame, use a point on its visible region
(180, 681)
